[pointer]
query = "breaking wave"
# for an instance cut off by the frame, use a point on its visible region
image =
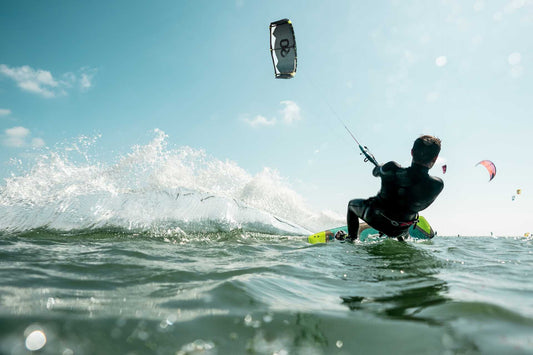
(151, 188)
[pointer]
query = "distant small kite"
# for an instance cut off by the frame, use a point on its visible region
(491, 168)
(444, 167)
(518, 192)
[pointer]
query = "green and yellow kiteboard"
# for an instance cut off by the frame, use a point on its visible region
(419, 231)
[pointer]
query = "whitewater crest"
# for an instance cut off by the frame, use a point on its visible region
(152, 187)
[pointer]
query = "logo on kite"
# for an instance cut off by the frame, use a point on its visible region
(491, 168)
(283, 48)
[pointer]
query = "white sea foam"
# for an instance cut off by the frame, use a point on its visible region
(152, 187)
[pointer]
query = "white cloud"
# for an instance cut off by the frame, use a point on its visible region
(37, 142)
(260, 121)
(4, 112)
(35, 81)
(86, 78)
(42, 82)
(16, 137)
(85, 81)
(291, 112)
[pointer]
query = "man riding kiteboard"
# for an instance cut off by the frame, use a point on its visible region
(404, 192)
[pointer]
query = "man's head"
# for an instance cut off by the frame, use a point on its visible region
(425, 150)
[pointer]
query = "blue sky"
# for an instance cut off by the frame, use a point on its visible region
(201, 72)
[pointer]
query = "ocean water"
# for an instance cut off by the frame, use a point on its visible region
(169, 251)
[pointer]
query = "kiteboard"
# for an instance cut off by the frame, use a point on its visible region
(420, 231)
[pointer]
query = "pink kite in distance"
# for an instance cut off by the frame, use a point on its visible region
(444, 167)
(491, 168)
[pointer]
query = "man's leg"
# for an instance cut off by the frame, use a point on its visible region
(353, 224)
(355, 208)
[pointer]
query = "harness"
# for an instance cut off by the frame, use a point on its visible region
(399, 224)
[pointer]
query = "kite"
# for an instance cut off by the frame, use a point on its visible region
(283, 48)
(444, 167)
(518, 192)
(491, 168)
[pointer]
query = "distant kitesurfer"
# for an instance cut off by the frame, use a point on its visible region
(404, 192)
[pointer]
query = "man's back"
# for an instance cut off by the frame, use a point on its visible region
(406, 191)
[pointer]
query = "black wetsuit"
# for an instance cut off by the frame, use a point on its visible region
(404, 192)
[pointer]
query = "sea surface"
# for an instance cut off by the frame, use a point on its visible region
(169, 251)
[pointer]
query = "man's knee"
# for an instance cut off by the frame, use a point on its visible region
(355, 203)
(357, 207)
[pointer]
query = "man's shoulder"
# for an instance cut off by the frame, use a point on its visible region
(437, 182)
(391, 165)
(437, 179)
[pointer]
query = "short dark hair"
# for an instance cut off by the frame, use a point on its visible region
(425, 149)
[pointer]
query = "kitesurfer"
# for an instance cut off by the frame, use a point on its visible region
(404, 192)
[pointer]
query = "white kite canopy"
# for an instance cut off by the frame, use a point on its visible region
(283, 48)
